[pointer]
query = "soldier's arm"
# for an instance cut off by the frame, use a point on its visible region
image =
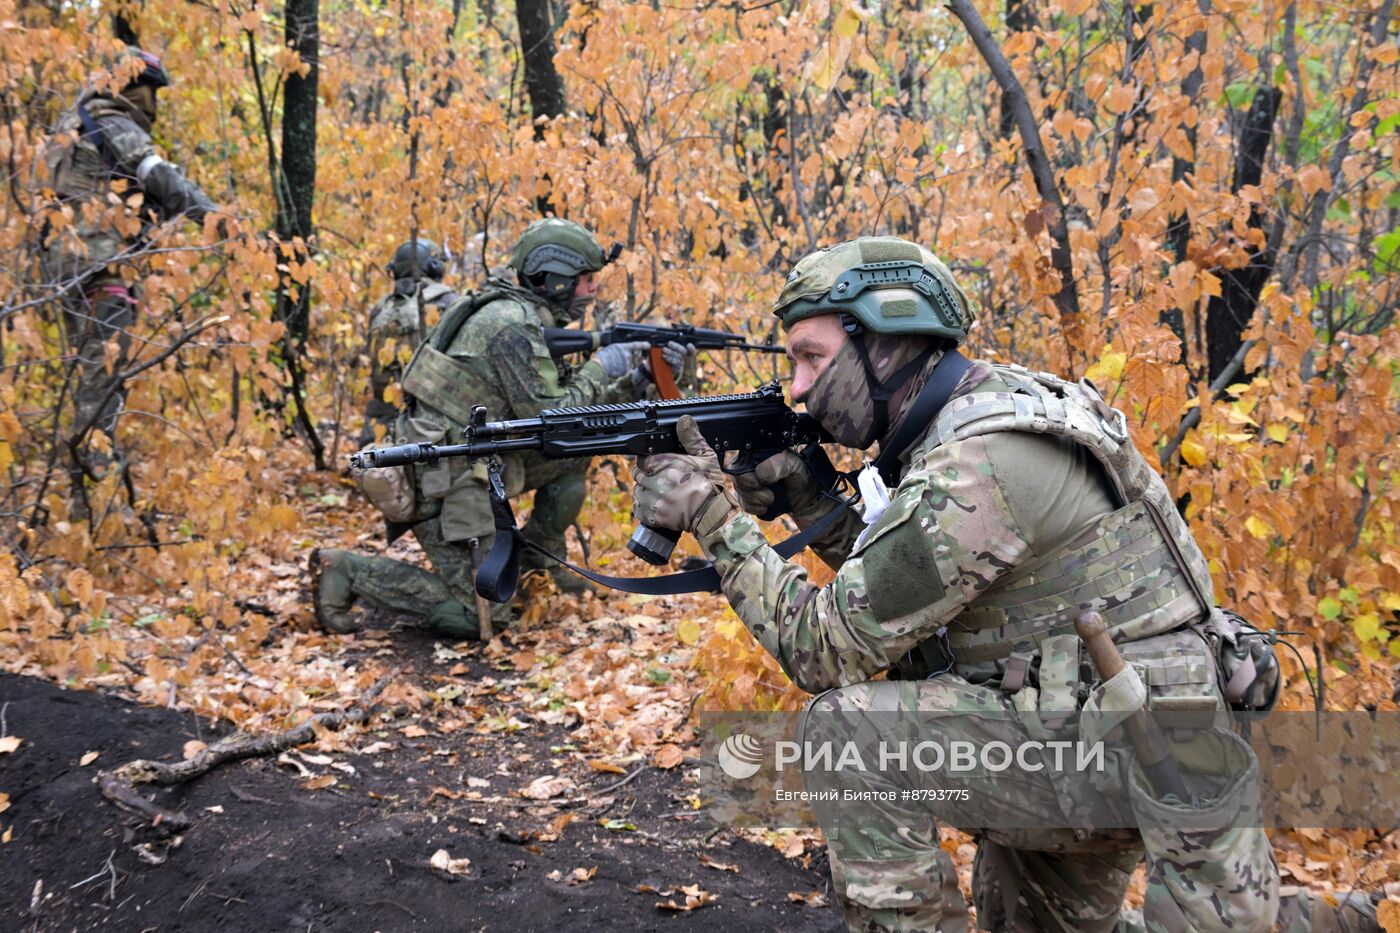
(947, 535)
(528, 376)
(165, 185)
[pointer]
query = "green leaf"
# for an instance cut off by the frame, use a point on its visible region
(1329, 608)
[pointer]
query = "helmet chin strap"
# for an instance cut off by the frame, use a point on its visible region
(881, 392)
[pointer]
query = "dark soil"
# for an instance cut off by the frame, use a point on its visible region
(355, 856)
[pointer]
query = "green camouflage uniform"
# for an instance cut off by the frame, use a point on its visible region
(396, 318)
(83, 258)
(498, 359)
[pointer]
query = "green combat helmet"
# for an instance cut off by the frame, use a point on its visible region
(889, 285)
(430, 260)
(552, 254)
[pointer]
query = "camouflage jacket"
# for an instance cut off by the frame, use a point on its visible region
(395, 318)
(498, 358)
(82, 169)
(975, 517)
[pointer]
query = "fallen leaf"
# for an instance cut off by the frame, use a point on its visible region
(4, 802)
(688, 631)
(695, 896)
(319, 783)
(555, 875)
(478, 782)
(9, 743)
(618, 826)
(668, 756)
(543, 788)
(374, 748)
(88, 758)
(599, 765)
(192, 747)
(581, 875)
(414, 732)
(444, 792)
(442, 861)
(1388, 916)
(216, 808)
(793, 847)
(811, 899)
(457, 670)
(7, 835)
(322, 760)
(717, 866)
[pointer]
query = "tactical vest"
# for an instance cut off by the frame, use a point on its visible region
(81, 170)
(1138, 566)
(435, 378)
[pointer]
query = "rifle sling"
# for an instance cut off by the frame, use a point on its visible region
(500, 571)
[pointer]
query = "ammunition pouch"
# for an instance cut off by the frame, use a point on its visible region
(1245, 658)
(389, 489)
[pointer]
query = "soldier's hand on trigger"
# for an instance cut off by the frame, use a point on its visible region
(755, 489)
(618, 359)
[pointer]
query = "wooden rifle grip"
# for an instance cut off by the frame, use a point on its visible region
(663, 377)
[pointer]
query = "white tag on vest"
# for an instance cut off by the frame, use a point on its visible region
(874, 497)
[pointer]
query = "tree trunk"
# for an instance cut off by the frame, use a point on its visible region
(542, 81)
(302, 33)
(1229, 313)
(1019, 18)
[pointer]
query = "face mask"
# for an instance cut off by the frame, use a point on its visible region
(143, 98)
(577, 307)
(840, 398)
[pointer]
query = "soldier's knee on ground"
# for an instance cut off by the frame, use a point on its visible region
(332, 593)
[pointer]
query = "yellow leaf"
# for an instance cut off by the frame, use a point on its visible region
(847, 23)
(688, 632)
(9, 426)
(1391, 602)
(318, 783)
(1257, 526)
(4, 802)
(87, 759)
(1193, 453)
(1387, 54)
(285, 517)
(7, 456)
(1119, 99)
(1109, 368)
(9, 743)
(1277, 432)
(250, 20)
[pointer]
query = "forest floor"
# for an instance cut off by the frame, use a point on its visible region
(340, 835)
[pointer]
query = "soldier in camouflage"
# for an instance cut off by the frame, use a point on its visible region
(397, 323)
(489, 349)
(1017, 504)
(104, 170)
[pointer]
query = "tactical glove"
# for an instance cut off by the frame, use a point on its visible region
(683, 492)
(620, 358)
(755, 494)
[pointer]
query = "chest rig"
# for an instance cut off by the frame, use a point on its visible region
(435, 378)
(1137, 566)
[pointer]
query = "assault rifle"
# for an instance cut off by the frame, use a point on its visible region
(744, 430)
(565, 340)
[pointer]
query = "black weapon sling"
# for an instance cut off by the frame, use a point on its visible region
(499, 573)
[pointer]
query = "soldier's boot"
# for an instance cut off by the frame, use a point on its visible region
(331, 591)
(557, 504)
(1302, 911)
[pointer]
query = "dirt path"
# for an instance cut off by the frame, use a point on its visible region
(268, 854)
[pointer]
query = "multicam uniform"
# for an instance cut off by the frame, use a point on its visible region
(1023, 504)
(97, 303)
(492, 353)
